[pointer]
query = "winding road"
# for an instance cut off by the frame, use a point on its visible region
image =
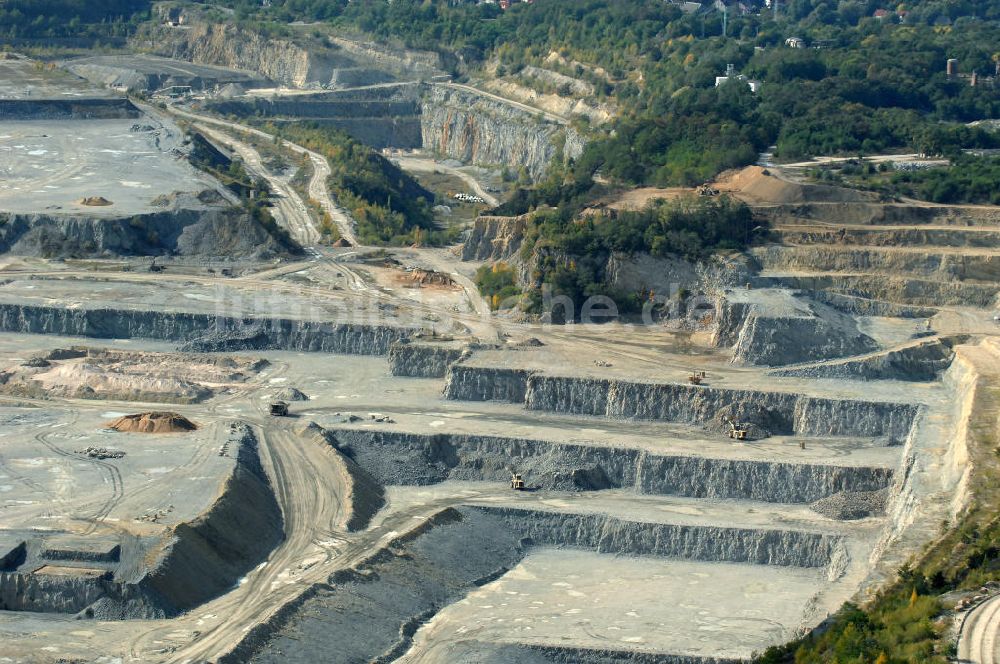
(318, 189)
(979, 640)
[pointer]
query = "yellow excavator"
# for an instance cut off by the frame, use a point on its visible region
(516, 481)
(736, 432)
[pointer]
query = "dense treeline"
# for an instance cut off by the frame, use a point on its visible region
(390, 207)
(570, 254)
(969, 180)
(70, 18)
(877, 85)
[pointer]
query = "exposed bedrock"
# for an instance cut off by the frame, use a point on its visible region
(369, 613)
(109, 108)
(378, 122)
(920, 292)
(861, 306)
(280, 60)
(607, 534)
(51, 594)
(888, 260)
(470, 383)
(401, 133)
(205, 332)
(144, 74)
(200, 232)
(774, 327)
(494, 238)
(482, 130)
(318, 106)
(920, 361)
(399, 458)
(874, 236)
(879, 213)
(423, 359)
(787, 413)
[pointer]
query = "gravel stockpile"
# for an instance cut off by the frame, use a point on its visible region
(851, 505)
(163, 422)
(291, 394)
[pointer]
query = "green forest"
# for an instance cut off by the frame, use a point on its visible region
(876, 85)
(70, 18)
(570, 253)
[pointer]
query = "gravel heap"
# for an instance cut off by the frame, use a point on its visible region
(155, 422)
(759, 422)
(850, 505)
(291, 394)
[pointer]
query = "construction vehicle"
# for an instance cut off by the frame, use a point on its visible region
(279, 409)
(697, 377)
(153, 267)
(516, 482)
(736, 431)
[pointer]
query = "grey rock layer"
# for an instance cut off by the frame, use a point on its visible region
(919, 362)
(692, 404)
(606, 534)
(190, 232)
(205, 331)
(478, 129)
(774, 328)
(422, 360)
(400, 458)
(370, 612)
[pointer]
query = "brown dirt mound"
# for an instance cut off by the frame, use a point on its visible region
(153, 423)
(758, 185)
(95, 201)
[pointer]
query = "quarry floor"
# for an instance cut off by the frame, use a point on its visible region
(556, 596)
(553, 597)
(559, 597)
(47, 167)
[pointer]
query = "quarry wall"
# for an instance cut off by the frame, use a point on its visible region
(401, 458)
(204, 332)
(787, 413)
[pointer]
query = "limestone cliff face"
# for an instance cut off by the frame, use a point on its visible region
(482, 130)
(787, 413)
(204, 332)
(494, 238)
(280, 60)
(401, 458)
(774, 328)
(423, 360)
(608, 534)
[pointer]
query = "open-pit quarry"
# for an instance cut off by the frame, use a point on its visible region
(695, 489)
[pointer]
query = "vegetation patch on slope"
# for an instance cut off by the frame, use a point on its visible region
(389, 205)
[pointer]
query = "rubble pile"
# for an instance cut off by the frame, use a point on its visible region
(851, 505)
